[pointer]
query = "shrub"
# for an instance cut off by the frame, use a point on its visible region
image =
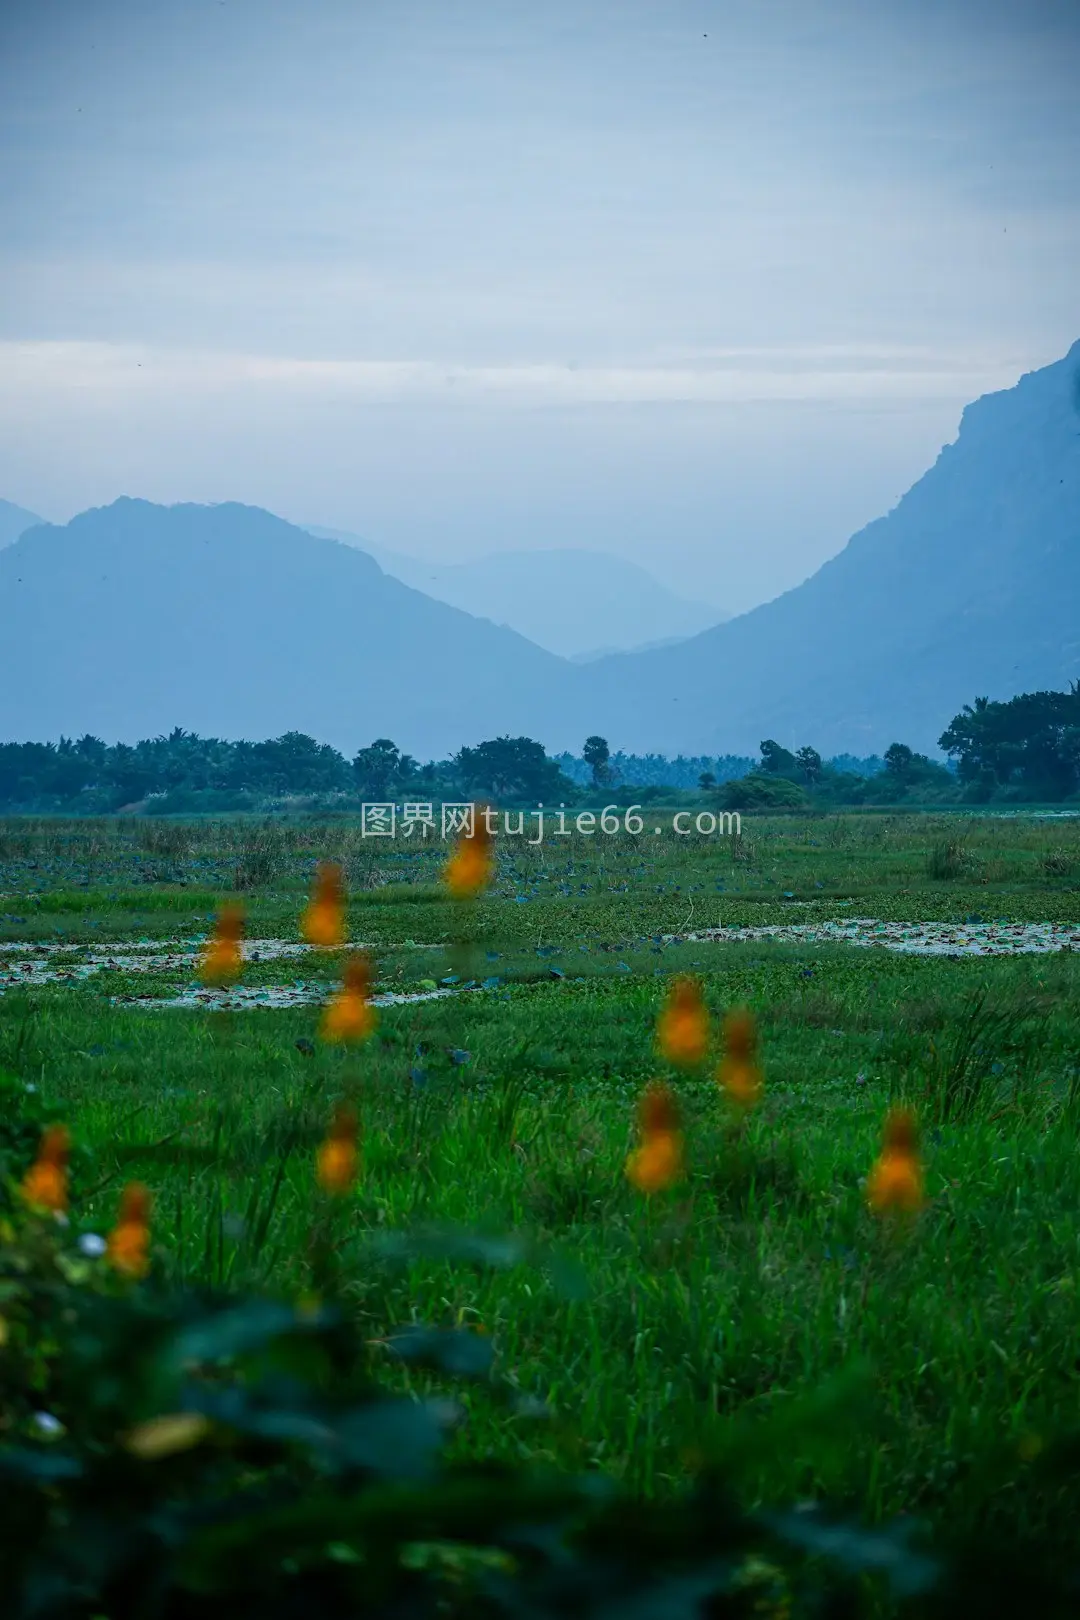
(761, 792)
(947, 860)
(1058, 863)
(262, 851)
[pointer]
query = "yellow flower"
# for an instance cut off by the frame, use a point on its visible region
(324, 919)
(472, 865)
(348, 1015)
(682, 1030)
(45, 1184)
(129, 1240)
(739, 1075)
(896, 1180)
(338, 1159)
(658, 1161)
(164, 1436)
(222, 957)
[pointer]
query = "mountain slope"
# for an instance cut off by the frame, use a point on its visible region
(15, 520)
(134, 618)
(568, 599)
(970, 585)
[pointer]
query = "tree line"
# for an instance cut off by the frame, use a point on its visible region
(1026, 748)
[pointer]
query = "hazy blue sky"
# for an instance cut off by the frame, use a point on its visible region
(702, 283)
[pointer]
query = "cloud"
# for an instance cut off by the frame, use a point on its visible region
(837, 374)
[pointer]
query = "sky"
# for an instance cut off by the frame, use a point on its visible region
(704, 284)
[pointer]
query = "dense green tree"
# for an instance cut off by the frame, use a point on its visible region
(597, 756)
(1032, 741)
(898, 758)
(513, 768)
(777, 760)
(297, 763)
(809, 762)
(382, 770)
(909, 776)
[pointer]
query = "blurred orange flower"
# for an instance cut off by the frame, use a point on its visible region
(45, 1184)
(129, 1240)
(658, 1161)
(471, 867)
(739, 1074)
(222, 958)
(338, 1159)
(324, 919)
(349, 1015)
(682, 1030)
(896, 1180)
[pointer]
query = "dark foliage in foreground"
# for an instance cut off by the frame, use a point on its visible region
(173, 1454)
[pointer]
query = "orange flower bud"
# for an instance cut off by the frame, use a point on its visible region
(45, 1185)
(222, 957)
(349, 1015)
(324, 919)
(471, 867)
(129, 1240)
(682, 1029)
(658, 1161)
(739, 1074)
(741, 1081)
(740, 1033)
(658, 1112)
(338, 1160)
(896, 1180)
(135, 1204)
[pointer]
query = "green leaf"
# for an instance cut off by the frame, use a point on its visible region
(239, 1330)
(396, 1438)
(403, 1247)
(884, 1550)
(456, 1351)
(40, 1467)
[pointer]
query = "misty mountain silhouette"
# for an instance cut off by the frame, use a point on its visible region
(970, 585)
(134, 618)
(226, 620)
(15, 520)
(575, 602)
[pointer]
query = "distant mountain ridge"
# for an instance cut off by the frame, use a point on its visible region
(15, 520)
(135, 618)
(570, 600)
(969, 586)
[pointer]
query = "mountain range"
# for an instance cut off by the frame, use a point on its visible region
(230, 622)
(15, 520)
(969, 586)
(577, 603)
(134, 618)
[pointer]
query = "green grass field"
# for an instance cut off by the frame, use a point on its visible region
(633, 1336)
